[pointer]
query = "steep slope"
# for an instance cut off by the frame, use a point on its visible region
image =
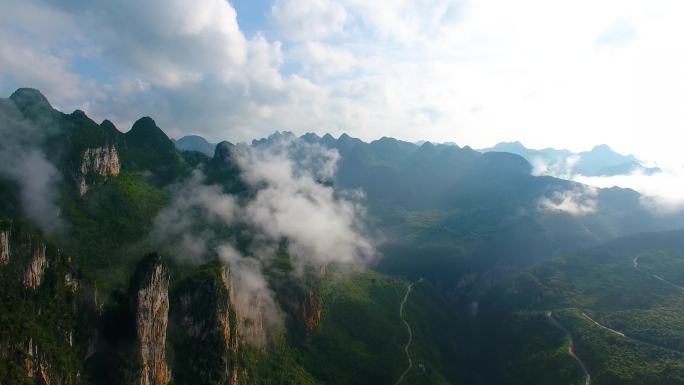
(43, 312)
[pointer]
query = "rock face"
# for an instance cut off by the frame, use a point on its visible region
(36, 367)
(4, 247)
(30, 260)
(33, 275)
(310, 311)
(223, 151)
(99, 162)
(227, 321)
(151, 323)
(203, 329)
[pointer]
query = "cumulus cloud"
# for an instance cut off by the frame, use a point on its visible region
(309, 19)
(365, 67)
(23, 161)
(291, 203)
(580, 201)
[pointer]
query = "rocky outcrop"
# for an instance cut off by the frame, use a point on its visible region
(36, 366)
(203, 329)
(4, 247)
(99, 162)
(310, 311)
(227, 322)
(151, 323)
(35, 266)
(33, 274)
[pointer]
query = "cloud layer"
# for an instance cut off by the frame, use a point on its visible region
(470, 72)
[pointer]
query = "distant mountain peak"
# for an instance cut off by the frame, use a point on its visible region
(195, 143)
(30, 100)
(145, 131)
(223, 150)
(602, 148)
(310, 137)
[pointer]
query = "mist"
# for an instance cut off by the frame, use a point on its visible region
(579, 201)
(662, 193)
(292, 205)
(22, 161)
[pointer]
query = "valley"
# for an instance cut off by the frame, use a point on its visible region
(409, 330)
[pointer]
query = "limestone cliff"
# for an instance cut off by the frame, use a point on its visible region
(99, 162)
(228, 322)
(37, 366)
(4, 247)
(310, 311)
(38, 341)
(33, 273)
(203, 329)
(28, 252)
(151, 323)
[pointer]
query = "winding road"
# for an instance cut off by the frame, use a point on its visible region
(635, 261)
(602, 326)
(571, 347)
(410, 331)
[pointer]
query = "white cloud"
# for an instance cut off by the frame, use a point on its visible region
(621, 32)
(309, 19)
(580, 201)
(319, 60)
(291, 206)
(562, 167)
(662, 192)
(23, 161)
(532, 67)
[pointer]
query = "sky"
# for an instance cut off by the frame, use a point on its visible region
(564, 74)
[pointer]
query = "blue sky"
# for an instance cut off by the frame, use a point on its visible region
(252, 15)
(475, 72)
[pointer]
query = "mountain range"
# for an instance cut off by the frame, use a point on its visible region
(599, 161)
(132, 258)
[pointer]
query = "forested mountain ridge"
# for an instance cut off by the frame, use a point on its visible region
(128, 260)
(95, 292)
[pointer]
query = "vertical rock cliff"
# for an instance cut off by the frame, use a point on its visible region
(310, 311)
(28, 253)
(4, 247)
(151, 323)
(204, 331)
(97, 163)
(228, 322)
(39, 311)
(33, 273)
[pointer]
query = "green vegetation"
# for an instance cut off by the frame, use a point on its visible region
(109, 226)
(626, 323)
(41, 318)
(361, 338)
